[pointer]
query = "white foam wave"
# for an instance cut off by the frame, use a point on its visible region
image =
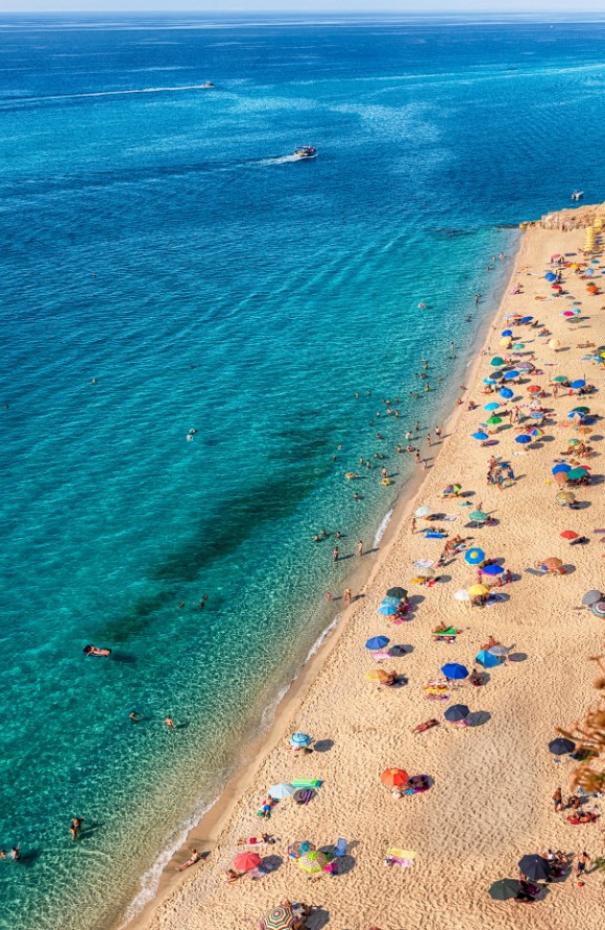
(150, 880)
(382, 528)
(322, 638)
(116, 93)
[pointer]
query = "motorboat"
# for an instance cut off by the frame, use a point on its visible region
(208, 85)
(305, 151)
(577, 195)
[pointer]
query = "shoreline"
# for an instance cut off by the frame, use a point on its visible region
(207, 831)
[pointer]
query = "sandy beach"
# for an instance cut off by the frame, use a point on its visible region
(491, 783)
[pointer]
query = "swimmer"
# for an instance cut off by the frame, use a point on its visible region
(134, 716)
(169, 723)
(96, 651)
(75, 827)
(203, 602)
(335, 554)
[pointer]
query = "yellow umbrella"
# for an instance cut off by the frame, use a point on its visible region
(379, 675)
(565, 497)
(478, 590)
(554, 343)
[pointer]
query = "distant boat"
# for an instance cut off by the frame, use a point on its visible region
(208, 85)
(305, 151)
(577, 195)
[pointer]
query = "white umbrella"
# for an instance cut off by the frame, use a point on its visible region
(281, 791)
(423, 511)
(462, 595)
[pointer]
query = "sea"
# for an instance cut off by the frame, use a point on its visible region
(198, 337)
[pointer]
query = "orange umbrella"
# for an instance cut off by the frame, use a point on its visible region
(394, 778)
(379, 675)
(246, 861)
(561, 478)
(553, 565)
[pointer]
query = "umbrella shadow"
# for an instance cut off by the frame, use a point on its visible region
(478, 717)
(517, 657)
(323, 745)
(318, 919)
(271, 863)
(400, 650)
(569, 569)
(416, 600)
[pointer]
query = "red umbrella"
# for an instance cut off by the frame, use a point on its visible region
(569, 534)
(394, 778)
(246, 861)
(534, 389)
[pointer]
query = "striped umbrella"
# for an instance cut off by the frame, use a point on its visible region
(280, 917)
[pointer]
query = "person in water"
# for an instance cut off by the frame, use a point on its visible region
(90, 650)
(75, 827)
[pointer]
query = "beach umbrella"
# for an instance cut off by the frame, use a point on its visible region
(576, 474)
(393, 598)
(300, 739)
(598, 609)
(489, 381)
(281, 791)
(506, 332)
(561, 746)
(474, 556)
(523, 439)
(565, 497)
(591, 597)
(534, 389)
(536, 432)
(578, 383)
(526, 319)
(396, 593)
(377, 642)
(504, 342)
(584, 430)
(378, 675)
(246, 861)
(535, 867)
(313, 862)
(497, 361)
(506, 393)
(518, 346)
(554, 343)
(454, 670)
(487, 659)
(387, 610)
(280, 917)
(550, 276)
(560, 467)
(299, 848)
(493, 405)
(422, 511)
(394, 778)
(561, 478)
(461, 596)
(494, 420)
(498, 650)
(478, 590)
(456, 712)
(561, 379)
(582, 410)
(575, 415)
(478, 516)
(552, 564)
(505, 889)
(569, 534)
(492, 570)
(480, 435)
(511, 375)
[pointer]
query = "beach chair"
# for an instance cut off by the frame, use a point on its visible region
(340, 849)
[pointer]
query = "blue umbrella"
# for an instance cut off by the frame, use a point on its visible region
(492, 570)
(506, 393)
(536, 415)
(573, 414)
(526, 319)
(474, 556)
(561, 746)
(456, 712)
(550, 276)
(523, 439)
(507, 332)
(453, 670)
(387, 610)
(489, 381)
(487, 660)
(392, 599)
(493, 405)
(377, 642)
(480, 435)
(578, 383)
(300, 739)
(561, 467)
(510, 375)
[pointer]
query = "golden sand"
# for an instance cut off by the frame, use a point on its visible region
(491, 798)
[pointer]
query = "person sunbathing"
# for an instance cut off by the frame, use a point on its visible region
(582, 817)
(427, 725)
(193, 858)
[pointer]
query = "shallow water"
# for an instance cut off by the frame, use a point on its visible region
(156, 237)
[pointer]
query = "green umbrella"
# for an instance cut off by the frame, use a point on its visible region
(581, 410)
(313, 861)
(576, 473)
(560, 379)
(504, 889)
(493, 421)
(518, 346)
(478, 516)
(497, 361)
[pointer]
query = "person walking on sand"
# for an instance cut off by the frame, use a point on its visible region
(438, 432)
(558, 800)
(582, 864)
(413, 525)
(359, 548)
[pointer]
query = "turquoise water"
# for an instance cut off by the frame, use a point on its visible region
(155, 237)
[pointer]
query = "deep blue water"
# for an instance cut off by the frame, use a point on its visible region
(154, 237)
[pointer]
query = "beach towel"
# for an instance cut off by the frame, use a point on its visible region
(306, 782)
(402, 857)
